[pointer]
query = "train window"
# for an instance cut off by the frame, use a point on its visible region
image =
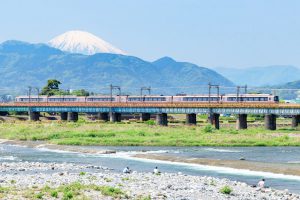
(101, 99)
(55, 99)
(69, 99)
(194, 99)
(162, 99)
(147, 99)
(133, 99)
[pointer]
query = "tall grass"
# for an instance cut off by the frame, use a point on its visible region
(139, 134)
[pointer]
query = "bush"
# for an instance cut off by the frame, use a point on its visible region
(208, 129)
(54, 194)
(82, 173)
(39, 195)
(226, 190)
(67, 195)
(141, 133)
(150, 122)
(111, 191)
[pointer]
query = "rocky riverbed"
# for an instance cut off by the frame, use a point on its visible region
(28, 180)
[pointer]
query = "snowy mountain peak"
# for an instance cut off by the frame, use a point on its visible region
(83, 42)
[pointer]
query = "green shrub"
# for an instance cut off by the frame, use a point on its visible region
(111, 191)
(68, 195)
(208, 129)
(141, 133)
(150, 122)
(54, 194)
(34, 138)
(226, 190)
(82, 173)
(3, 189)
(39, 195)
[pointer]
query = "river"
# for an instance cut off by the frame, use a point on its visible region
(124, 156)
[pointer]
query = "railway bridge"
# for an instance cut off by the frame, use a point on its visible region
(112, 111)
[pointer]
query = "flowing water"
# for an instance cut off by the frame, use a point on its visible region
(123, 158)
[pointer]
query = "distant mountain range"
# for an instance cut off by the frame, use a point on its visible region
(261, 76)
(23, 64)
(292, 92)
(291, 85)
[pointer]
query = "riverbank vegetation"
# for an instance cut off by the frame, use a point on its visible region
(70, 191)
(146, 134)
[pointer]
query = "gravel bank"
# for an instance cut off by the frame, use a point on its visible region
(24, 176)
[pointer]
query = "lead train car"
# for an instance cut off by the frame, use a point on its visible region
(153, 99)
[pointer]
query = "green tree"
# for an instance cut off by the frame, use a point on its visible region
(81, 92)
(52, 88)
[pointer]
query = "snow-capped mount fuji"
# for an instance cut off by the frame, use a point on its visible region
(83, 42)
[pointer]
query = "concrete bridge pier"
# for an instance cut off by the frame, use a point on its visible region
(214, 119)
(34, 116)
(145, 117)
(3, 113)
(270, 122)
(241, 121)
(103, 116)
(72, 116)
(115, 117)
(191, 119)
(295, 120)
(64, 116)
(162, 119)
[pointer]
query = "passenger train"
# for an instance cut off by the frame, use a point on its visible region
(268, 98)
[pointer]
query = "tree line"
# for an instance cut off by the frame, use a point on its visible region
(52, 88)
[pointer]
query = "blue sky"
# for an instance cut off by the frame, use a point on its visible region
(211, 33)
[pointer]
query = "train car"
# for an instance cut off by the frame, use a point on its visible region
(231, 98)
(148, 99)
(250, 98)
(43, 98)
(30, 99)
(102, 98)
(197, 98)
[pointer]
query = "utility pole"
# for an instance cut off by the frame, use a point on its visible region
(209, 91)
(237, 93)
(146, 89)
(29, 93)
(209, 88)
(238, 88)
(112, 87)
(38, 94)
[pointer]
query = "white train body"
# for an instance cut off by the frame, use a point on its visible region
(153, 99)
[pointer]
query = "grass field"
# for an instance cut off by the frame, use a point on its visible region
(143, 134)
